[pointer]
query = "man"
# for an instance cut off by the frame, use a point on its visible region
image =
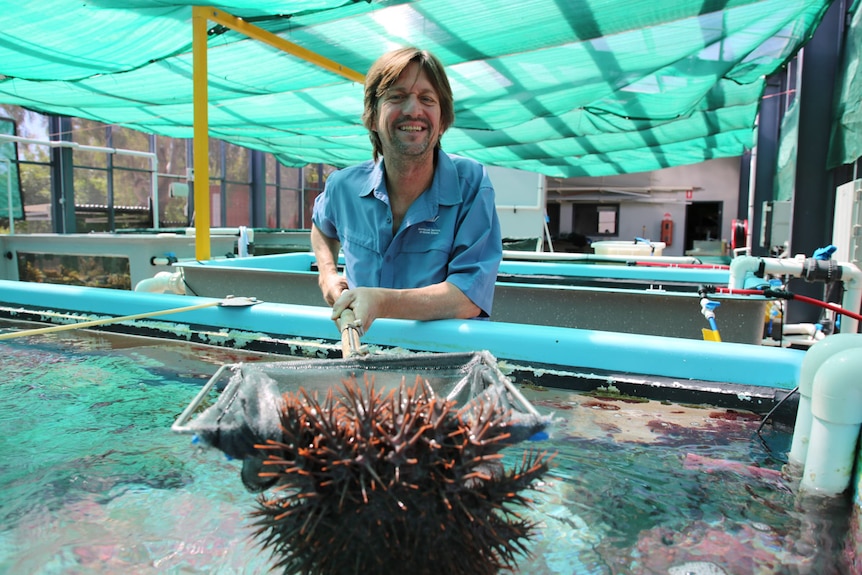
(418, 228)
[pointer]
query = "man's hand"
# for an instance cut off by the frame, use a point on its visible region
(332, 286)
(367, 304)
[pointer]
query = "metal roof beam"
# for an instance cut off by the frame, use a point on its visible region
(200, 16)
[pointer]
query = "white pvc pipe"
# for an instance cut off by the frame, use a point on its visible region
(245, 237)
(851, 275)
(242, 243)
(852, 301)
(811, 329)
(740, 267)
(221, 232)
(815, 358)
(752, 183)
(836, 406)
(814, 331)
(578, 257)
(163, 282)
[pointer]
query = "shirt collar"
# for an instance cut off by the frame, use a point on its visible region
(445, 188)
(446, 185)
(374, 181)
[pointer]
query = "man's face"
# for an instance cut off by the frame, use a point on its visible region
(408, 115)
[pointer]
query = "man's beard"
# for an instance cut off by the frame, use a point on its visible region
(411, 146)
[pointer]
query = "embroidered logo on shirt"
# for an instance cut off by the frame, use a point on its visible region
(428, 227)
(429, 231)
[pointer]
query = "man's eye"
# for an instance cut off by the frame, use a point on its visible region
(394, 97)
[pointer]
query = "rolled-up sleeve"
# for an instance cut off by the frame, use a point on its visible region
(478, 246)
(321, 216)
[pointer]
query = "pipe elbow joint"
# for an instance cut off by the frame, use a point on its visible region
(837, 390)
(163, 282)
(739, 268)
(818, 354)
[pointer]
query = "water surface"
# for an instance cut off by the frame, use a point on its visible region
(92, 479)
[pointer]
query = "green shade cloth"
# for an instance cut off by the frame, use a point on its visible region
(785, 173)
(846, 144)
(563, 88)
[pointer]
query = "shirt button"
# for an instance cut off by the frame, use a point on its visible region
(388, 220)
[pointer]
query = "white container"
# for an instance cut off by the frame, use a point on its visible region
(620, 248)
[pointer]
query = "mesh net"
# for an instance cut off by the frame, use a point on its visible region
(247, 411)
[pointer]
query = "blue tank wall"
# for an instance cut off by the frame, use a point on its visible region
(563, 348)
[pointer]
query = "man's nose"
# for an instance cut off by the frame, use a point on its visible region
(411, 103)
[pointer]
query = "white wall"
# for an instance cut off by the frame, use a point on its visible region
(520, 198)
(710, 181)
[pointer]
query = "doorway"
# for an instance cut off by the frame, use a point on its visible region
(702, 222)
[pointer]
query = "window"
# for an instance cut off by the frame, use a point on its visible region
(114, 191)
(32, 164)
(595, 219)
(608, 220)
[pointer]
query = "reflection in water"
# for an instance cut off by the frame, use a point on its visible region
(93, 480)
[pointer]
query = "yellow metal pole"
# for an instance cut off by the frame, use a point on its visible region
(201, 15)
(256, 33)
(201, 132)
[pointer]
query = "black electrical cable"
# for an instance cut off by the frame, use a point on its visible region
(768, 415)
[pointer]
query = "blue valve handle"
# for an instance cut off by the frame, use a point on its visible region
(825, 253)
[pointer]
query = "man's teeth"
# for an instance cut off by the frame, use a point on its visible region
(410, 128)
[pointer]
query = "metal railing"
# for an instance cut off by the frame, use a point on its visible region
(154, 162)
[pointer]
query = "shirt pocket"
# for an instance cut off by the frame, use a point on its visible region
(425, 253)
(354, 239)
(362, 259)
(427, 239)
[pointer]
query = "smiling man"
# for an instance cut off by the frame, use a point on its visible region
(418, 227)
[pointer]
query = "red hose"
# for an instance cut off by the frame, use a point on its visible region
(739, 291)
(830, 306)
(827, 305)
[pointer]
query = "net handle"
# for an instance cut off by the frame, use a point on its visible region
(230, 301)
(351, 329)
(180, 424)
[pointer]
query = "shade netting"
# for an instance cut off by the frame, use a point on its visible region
(580, 88)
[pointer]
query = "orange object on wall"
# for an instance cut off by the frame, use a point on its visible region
(667, 230)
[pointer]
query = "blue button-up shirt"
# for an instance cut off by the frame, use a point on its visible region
(450, 232)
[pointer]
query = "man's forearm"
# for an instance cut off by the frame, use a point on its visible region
(438, 301)
(325, 251)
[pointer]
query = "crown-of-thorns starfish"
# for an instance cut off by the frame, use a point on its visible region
(378, 484)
